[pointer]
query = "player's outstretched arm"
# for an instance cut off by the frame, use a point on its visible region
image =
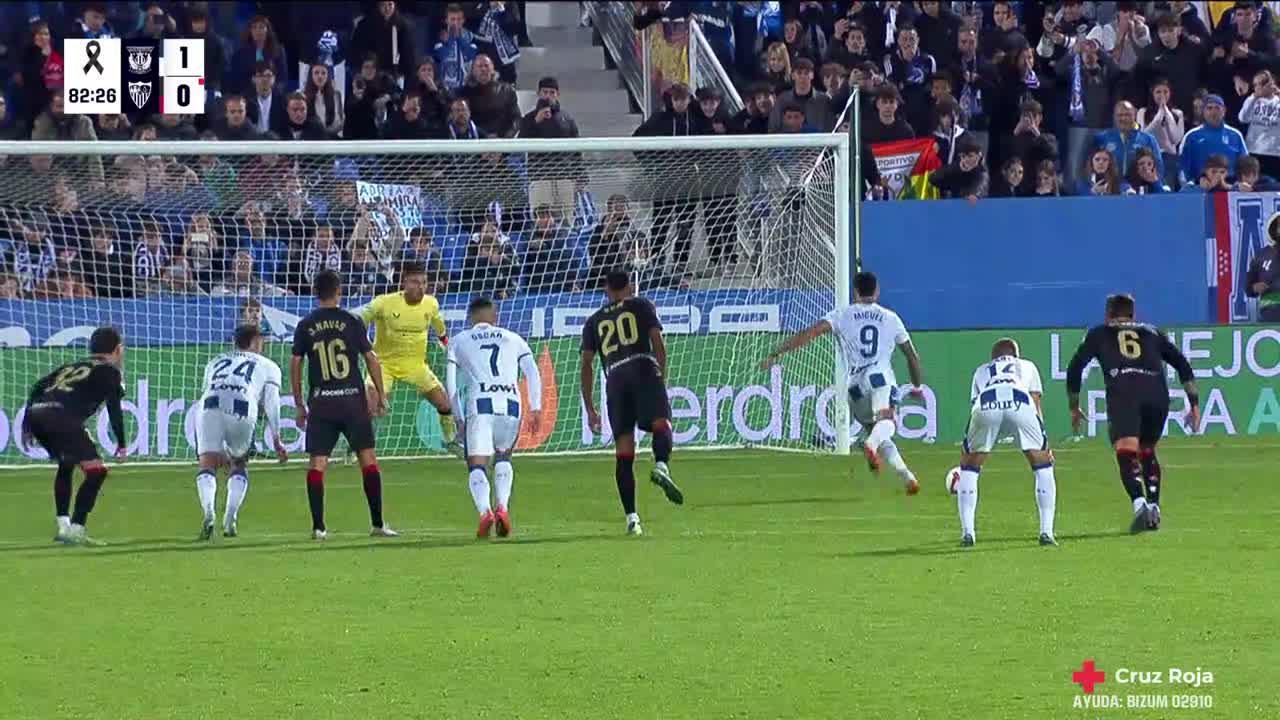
(797, 341)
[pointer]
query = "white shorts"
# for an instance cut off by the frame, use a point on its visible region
(223, 432)
(871, 394)
(987, 426)
(487, 434)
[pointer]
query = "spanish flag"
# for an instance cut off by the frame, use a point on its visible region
(906, 165)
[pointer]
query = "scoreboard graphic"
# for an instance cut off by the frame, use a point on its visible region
(110, 75)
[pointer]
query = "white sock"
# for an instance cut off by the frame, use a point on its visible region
(889, 452)
(1046, 497)
(207, 487)
(967, 500)
(480, 489)
(633, 517)
(1139, 504)
(503, 476)
(880, 432)
(237, 487)
(64, 522)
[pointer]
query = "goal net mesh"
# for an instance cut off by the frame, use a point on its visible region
(736, 247)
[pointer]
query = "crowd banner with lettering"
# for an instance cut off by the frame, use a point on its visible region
(1235, 231)
(906, 165)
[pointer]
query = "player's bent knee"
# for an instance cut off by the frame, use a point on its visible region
(502, 456)
(660, 425)
(319, 462)
(1039, 458)
(974, 459)
(1129, 444)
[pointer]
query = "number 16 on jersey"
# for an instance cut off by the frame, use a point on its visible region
(183, 71)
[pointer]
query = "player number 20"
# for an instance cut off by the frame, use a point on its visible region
(1130, 346)
(625, 329)
(334, 364)
(67, 379)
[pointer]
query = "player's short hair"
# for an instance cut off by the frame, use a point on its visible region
(412, 267)
(104, 341)
(326, 285)
(865, 284)
(480, 303)
(246, 334)
(617, 280)
(1120, 305)
(1005, 346)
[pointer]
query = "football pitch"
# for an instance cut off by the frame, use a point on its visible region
(787, 586)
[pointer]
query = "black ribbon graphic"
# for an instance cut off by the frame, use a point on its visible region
(93, 50)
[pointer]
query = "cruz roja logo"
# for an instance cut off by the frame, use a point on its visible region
(1090, 679)
(139, 92)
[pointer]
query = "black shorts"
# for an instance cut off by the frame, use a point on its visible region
(62, 436)
(1139, 414)
(323, 433)
(637, 397)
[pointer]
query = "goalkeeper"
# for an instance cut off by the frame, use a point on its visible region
(400, 321)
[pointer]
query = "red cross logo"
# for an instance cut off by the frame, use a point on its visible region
(1088, 676)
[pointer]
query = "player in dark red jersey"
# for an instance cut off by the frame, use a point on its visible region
(332, 341)
(1133, 357)
(627, 336)
(56, 411)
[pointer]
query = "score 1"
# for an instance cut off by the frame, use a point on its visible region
(182, 66)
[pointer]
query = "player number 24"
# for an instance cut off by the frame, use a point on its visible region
(1130, 346)
(625, 328)
(334, 364)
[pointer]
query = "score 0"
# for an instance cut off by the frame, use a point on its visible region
(182, 65)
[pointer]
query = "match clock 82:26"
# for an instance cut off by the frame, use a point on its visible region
(91, 95)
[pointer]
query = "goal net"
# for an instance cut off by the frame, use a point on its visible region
(738, 241)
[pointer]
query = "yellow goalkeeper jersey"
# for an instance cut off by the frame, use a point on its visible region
(400, 329)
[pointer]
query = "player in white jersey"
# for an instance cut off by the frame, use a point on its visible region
(485, 364)
(866, 335)
(1006, 401)
(234, 384)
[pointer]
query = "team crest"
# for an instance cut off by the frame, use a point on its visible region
(140, 59)
(140, 92)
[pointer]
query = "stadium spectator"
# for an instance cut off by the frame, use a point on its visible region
(492, 102)
(242, 282)
(964, 178)
(266, 108)
(156, 23)
(612, 243)
(1177, 61)
(269, 254)
(409, 123)
(42, 72)
(35, 257)
(259, 45)
(1249, 177)
(9, 287)
(62, 284)
(1100, 176)
(1261, 112)
(235, 123)
(103, 266)
(496, 37)
(300, 124)
(672, 208)
(909, 69)
(1144, 176)
(815, 104)
(887, 125)
(834, 77)
(712, 118)
(322, 253)
(850, 46)
(794, 120)
(777, 68)
(546, 259)
(455, 50)
(435, 101)
(1214, 137)
(10, 127)
(54, 124)
(1123, 139)
(389, 36)
(1010, 182)
(217, 175)
(753, 119)
(1262, 280)
(1166, 124)
(146, 132)
(1124, 37)
(938, 28)
(197, 26)
(488, 266)
(363, 273)
(1245, 27)
(1089, 77)
(803, 40)
(1031, 144)
(551, 176)
(203, 251)
(421, 248)
(324, 101)
(150, 257)
(174, 127)
(1063, 29)
(871, 17)
(947, 128)
(92, 23)
(1047, 182)
(1213, 176)
(1004, 37)
(460, 125)
(975, 82)
(366, 111)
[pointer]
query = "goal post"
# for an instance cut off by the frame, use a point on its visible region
(739, 241)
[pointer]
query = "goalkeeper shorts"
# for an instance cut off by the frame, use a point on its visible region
(419, 376)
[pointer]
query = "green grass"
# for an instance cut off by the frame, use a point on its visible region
(788, 586)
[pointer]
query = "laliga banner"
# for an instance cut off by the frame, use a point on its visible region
(1235, 231)
(906, 165)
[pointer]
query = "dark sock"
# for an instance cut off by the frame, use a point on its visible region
(373, 493)
(315, 496)
(62, 490)
(1130, 472)
(88, 494)
(662, 440)
(1151, 472)
(626, 477)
